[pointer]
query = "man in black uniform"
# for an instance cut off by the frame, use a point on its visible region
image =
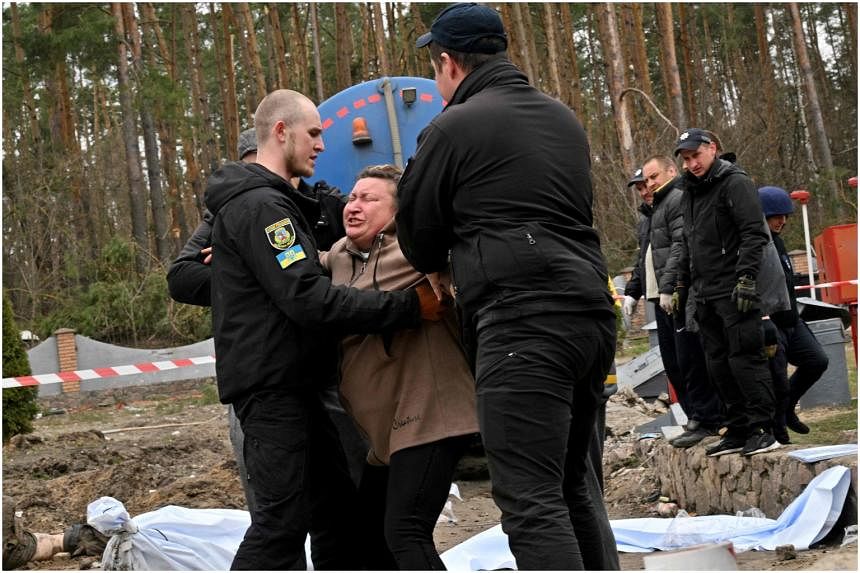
(189, 282)
(501, 179)
(797, 345)
(276, 319)
(724, 242)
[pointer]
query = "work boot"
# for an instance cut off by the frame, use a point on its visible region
(692, 437)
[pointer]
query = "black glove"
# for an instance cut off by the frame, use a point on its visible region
(745, 295)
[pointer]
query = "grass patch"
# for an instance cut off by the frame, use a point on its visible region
(828, 429)
(209, 395)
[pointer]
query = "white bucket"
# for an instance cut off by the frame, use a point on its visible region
(711, 557)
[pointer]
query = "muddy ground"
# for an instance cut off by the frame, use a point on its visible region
(175, 450)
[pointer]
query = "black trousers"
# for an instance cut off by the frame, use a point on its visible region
(804, 351)
(401, 503)
(297, 471)
(686, 367)
(734, 346)
(539, 385)
(798, 346)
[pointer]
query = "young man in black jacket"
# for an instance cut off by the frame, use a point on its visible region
(501, 179)
(189, 282)
(724, 242)
(797, 345)
(276, 318)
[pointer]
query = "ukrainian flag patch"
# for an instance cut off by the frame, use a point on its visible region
(291, 255)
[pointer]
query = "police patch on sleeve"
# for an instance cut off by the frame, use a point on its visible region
(291, 255)
(281, 235)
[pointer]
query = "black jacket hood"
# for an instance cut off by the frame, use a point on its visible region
(236, 178)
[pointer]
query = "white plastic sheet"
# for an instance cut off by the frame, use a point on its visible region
(805, 521)
(171, 538)
(819, 453)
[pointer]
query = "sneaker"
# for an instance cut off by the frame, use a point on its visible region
(781, 434)
(794, 423)
(692, 437)
(728, 445)
(693, 425)
(760, 441)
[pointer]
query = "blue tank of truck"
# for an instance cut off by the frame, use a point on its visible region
(372, 123)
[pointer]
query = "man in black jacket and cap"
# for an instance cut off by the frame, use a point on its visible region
(501, 179)
(724, 244)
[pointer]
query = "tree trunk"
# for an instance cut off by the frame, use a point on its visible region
(315, 36)
(381, 43)
(280, 46)
(520, 30)
(528, 25)
(819, 133)
(150, 143)
(616, 65)
(689, 71)
(179, 230)
(640, 55)
(392, 42)
(549, 24)
(343, 47)
(132, 151)
(34, 135)
(256, 71)
(202, 136)
(765, 73)
(572, 82)
(667, 42)
(300, 65)
(850, 10)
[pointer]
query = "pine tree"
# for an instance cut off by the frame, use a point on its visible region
(19, 404)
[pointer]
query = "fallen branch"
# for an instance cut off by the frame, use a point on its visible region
(160, 426)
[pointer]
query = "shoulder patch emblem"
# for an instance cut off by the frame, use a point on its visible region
(291, 255)
(281, 235)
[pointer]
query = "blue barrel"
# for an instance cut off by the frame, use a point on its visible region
(343, 159)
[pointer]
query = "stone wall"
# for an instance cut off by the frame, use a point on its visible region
(732, 483)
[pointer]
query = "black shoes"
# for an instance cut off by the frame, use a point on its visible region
(759, 441)
(692, 437)
(781, 435)
(727, 445)
(794, 423)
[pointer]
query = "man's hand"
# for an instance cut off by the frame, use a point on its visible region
(666, 303)
(745, 295)
(628, 307)
(432, 308)
(207, 255)
(679, 299)
(440, 288)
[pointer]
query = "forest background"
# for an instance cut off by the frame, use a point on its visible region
(114, 114)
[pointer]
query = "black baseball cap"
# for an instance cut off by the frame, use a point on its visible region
(247, 142)
(692, 139)
(460, 26)
(637, 178)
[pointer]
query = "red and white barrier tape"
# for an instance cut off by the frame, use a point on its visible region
(106, 372)
(827, 285)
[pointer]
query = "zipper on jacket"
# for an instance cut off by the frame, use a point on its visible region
(531, 239)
